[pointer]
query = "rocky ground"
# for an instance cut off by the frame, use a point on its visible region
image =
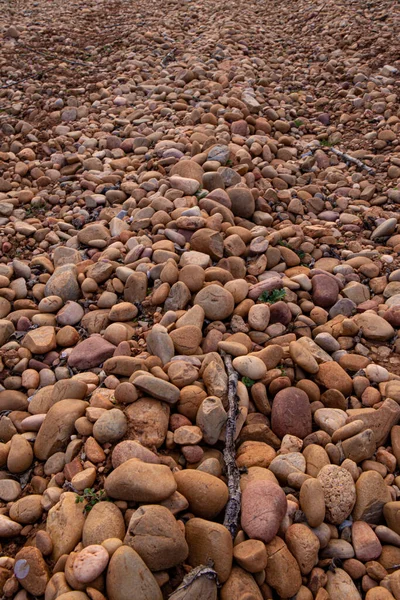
(199, 300)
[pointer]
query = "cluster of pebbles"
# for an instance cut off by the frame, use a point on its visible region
(179, 184)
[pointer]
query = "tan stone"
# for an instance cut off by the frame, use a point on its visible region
(209, 541)
(126, 572)
(65, 524)
(155, 535)
(207, 495)
(137, 481)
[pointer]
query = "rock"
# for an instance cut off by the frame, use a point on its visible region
(189, 169)
(207, 495)
(58, 426)
(110, 427)
(339, 492)
(186, 339)
(360, 447)
(126, 572)
(330, 419)
(154, 534)
(136, 481)
(374, 327)
(90, 353)
(303, 358)
(211, 417)
(280, 562)
(148, 421)
(160, 344)
(325, 290)
(340, 586)
(391, 512)
(263, 508)
(312, 502)
(332, 376)
(252, 453)
(63, 283)
(6, 330)
(64, 524)
(31, 570)
(27, 509)
(89, 563)
(70, 314)
(385, 229)
(132, 449)
(41, 340)
(217, 303)
(291, 413)
(209, 541)
(250, 366)
(285, 464)
(188, 186)
(8, 527)
(93, 232)
(20, 455)
(180, 198)
(251, 555)
(304, 545)
(242, 200)
(372, 493)
(202, 588)
(104, 521)
(158, 388)
(365, 543)
(9, 490)
(380, 420)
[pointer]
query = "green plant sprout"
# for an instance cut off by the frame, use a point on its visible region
(92, 497)
(248, 382)
(272, 296)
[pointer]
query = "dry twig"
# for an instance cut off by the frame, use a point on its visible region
(233, 507)
(203, 577)
(351, 159)
(315, 145)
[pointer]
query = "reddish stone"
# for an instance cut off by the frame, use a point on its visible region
(291, 413)
(325, 290)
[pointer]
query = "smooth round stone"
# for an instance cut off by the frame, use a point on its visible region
(90, 562)
(110, 427)
(328, 215)
(263, 508)
(9, 490)
(216, 301)
(250, 366)
(291, 413)
(327, 342)
(330, 419)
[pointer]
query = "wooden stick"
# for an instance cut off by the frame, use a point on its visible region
(192, 579)
(315, 145)
(356, 161)
(232, 510)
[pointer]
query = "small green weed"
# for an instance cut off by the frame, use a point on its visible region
(34, 211)
(272, 296)
(92, 497)
(201, 193)
(300, 253)
(326, 143)
(298, 123)
(282, 370)
(286, 244)
(248, 382)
